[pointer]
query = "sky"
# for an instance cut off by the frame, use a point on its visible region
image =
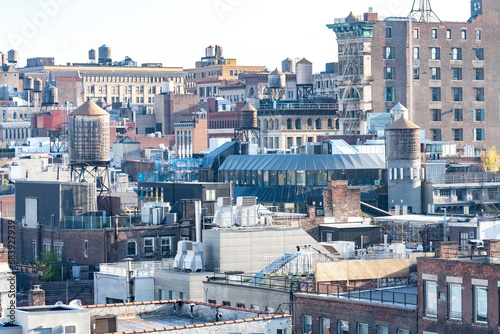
(176, 32)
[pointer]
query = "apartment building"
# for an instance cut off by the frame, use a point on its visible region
(454, 73)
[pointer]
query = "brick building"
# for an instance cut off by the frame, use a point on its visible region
(455, 73)
(458, 291)
(97, 245)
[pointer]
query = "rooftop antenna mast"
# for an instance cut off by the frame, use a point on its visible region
(424, 12)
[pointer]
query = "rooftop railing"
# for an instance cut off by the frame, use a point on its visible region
(384, 295)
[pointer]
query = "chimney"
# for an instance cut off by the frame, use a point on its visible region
(492, 247)
(36, 296)
(447, 250)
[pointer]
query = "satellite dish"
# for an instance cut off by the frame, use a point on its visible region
(75, 302)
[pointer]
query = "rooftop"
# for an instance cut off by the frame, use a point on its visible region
(405, 296)
(158, 316)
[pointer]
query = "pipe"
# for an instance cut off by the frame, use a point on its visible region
(116, 239)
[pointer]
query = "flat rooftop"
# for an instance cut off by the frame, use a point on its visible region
(156, 316)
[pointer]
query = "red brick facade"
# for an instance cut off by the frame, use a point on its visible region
(341, 202)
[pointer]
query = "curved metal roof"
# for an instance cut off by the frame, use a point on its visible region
(303, 162)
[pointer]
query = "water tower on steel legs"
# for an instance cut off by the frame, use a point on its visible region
(88, 128)
(248, 130)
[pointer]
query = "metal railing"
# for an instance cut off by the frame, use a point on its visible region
(387, 295)
(300, 106)
(284, 283)
(478, 177)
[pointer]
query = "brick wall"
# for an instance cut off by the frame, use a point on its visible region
(446, 271)
(355, 312)
(341, 202)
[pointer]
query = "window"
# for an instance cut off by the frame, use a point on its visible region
(389, 73)
(362, 328)
(435, 53)
(479, 93)
(435, 73)
(444, 192)
(416, 52)
(306, 324)
(343, 327)
(448, 34)
(459, 115)
(436, 134)
(479, 134)
(479, 54)
(436, 93)
(464, 33)
(389, 94)
(436, 115)
(166, 244)
(458, 134)
(298, 124)
(389, 52)
(478, 34)
(324, 325)
(457, 93)
(456, 53)
(210, 195)
(455, 301)
(480, 304)
(478, 115)
(46, 248)
(415, 33)
(430, 299)
(434, 33)
(416, 73)
(131, 248)
(309, 124)
(171, 294)
(86, 248)
(149, 245)
(479, 73)
(35, 250)
(161, 294)
(181, 295)
(58, 252)
(388, 32)
(289, 124)
(318, 124)
(403, 331)
(382, 330)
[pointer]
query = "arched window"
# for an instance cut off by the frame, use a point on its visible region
(131, 248)
(289, 124)
(329, 123)
(266, 91)
(309, 123)
(298, 124)
(271, 125)
(318, 123)
(277, 124)
(266, 124)
(258, 123)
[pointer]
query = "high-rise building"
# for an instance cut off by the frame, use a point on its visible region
(449, 67)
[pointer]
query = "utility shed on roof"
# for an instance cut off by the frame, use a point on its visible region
(361, 270)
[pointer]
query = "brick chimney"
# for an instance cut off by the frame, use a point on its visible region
(492, 247)
(446, 250)
(36, 296)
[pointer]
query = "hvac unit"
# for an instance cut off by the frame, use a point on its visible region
(189, 256)
(223, 216)
(246, 211)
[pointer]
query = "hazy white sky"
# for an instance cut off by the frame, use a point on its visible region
(176, 32)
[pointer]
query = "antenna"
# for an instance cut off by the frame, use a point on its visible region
(424, 12)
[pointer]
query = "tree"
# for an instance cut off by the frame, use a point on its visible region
(491, 160)
(44, 265)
